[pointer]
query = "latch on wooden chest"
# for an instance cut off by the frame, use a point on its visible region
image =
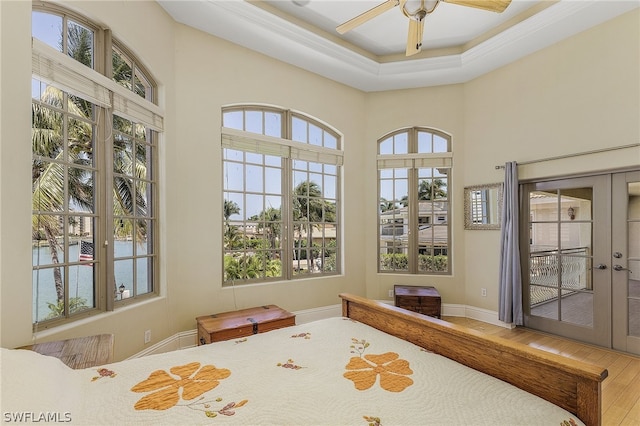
(255, 325)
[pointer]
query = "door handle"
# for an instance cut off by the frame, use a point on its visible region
(621, 268)
(601, 266)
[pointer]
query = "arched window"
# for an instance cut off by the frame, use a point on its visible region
(281, 180)
(94, 139)
(414, 172)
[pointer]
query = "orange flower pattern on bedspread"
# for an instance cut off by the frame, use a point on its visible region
(165, 388)
(365, 369)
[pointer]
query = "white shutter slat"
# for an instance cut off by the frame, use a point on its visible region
(64, 72)
(269, 145)
(52, 72)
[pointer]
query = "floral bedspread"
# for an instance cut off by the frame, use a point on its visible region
(329, 372)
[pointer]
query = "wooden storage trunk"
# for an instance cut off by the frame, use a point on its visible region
(424, 300)
(242, 323)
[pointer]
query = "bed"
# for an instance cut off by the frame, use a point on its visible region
(375, 365)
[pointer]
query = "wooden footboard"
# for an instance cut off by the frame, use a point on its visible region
(571, 384)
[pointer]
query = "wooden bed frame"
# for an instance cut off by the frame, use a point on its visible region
(571, 384)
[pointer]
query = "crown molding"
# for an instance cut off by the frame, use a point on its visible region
(252, 27)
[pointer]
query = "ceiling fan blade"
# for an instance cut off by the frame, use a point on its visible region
(414, 38)
(366, 16)
(490, 5)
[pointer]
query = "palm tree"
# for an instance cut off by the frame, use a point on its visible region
(48, 142)
(428, 190)
(308, 209)
(129, 186)
(386, 205)
(229, 209)
(270, 222)
(48, 176)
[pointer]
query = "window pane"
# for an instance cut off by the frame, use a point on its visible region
(299, 130)
(233, 176)
(254, 178)
(233, 155)
(424, 143)
(251, 157)
(330, 141)
(48, 248)
(122, 69)
(272, 180)
(315, 135)
(401, 190)
(123, 271)
(48, 130)
(80, 40)
(80, 142)
(144, 268)
(330, 186)
(270, 160)
(544, 236)
(233, 206)
(81, 190)
(48, 186)
(143, 191)
(233, 120)
(385, 147)
(48, 294)
(140, 132)
(253, 121)
(142, 85)
(273, 124)
(440, 144)
(47, 28)
(255, 205)
(47, 94)
(144, 161)
(400, 144)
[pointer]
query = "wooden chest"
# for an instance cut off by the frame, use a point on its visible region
(242, 323)
(424, 300)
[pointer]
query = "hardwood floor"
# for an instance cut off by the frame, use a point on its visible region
(620, 390)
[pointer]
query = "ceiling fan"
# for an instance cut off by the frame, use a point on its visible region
(417, 11)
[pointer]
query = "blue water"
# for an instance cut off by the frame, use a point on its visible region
(81, 276)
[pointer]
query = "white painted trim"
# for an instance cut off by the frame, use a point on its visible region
(243, 23)
(314, 314)
(188, 339)
(182, 340)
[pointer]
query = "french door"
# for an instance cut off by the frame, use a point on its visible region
(625, 233)
(580, 250)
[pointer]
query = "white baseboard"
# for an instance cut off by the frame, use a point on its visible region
(472, 312)
(314, 314)
(182, 340)
(189, 338)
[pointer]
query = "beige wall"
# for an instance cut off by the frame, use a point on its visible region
(212, 73)
(198, 74)
(435, 107)
(579, 95)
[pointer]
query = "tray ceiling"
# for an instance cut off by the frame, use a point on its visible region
(459, 44)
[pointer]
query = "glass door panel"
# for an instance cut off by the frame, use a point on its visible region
(561, 249)
(626, 261)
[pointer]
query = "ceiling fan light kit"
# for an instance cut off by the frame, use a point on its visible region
(416, 11)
